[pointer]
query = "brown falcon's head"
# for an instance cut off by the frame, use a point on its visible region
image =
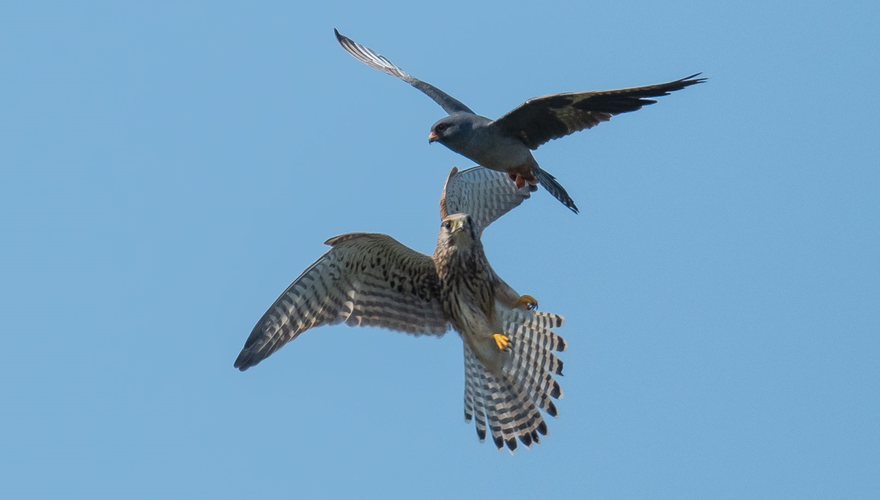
(458, 230)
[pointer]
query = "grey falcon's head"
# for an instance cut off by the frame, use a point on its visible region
(453, 131)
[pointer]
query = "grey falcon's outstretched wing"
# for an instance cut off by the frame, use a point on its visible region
(366, 279)
(375, 60)
(541, 119)
(482, 193)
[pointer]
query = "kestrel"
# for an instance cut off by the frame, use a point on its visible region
(504, 144)
(369, 279)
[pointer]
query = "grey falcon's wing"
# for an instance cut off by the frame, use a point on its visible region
(482, 193)
(375, 60)
(541, 119)
(366, 279)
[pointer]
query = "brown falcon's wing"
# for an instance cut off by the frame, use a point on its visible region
(366, 279)
(482, 193)
(541, 119)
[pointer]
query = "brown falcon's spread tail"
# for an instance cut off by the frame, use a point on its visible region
(509, 403)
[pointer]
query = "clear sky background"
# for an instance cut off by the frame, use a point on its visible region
(167, 169)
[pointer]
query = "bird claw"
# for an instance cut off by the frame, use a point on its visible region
(527, 302)
(502, 341)
(517, 179)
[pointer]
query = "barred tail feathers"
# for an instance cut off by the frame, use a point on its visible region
(508, 404)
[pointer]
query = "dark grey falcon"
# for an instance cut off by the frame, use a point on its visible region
(369, 279)
(504, 144)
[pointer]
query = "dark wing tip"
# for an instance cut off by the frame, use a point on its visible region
(346, 42)
(675, 85)
(561, 345)
(256, 348)
(243, 361)
(251, 354)
(694, 78)
(555, 391)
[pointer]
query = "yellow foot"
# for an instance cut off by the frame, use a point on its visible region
(502, 342)
(527, 302)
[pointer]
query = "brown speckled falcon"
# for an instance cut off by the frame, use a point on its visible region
(504, 144)
(369, 279)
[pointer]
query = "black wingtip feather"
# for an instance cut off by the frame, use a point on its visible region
(339, 36)
(561, 345)
(692, 80)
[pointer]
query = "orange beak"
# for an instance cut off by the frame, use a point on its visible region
(433, 137)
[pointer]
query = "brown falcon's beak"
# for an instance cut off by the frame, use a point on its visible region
(433, 137)
(455, 226)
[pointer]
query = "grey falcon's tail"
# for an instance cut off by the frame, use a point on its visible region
(554, 187)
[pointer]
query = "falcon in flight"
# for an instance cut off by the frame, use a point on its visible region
(369, 279)
(504, 144)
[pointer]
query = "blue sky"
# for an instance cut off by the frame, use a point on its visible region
(166, 169)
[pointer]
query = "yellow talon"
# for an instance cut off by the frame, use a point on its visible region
(527, 302)
(502, 342)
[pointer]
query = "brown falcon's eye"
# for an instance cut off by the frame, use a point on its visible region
(441, 127)
(447, 224)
